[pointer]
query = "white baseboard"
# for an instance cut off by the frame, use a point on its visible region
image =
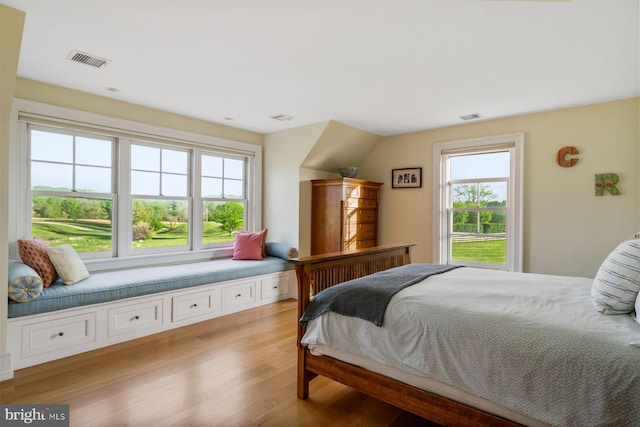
(6, 373)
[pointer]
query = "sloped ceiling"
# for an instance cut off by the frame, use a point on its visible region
(338, 146)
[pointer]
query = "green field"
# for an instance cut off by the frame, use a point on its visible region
(95, 235)
(490, 251)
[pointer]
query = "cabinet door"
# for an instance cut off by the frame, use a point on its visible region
(193, 305)
(238, 295)
(135, 317)
(42, 337)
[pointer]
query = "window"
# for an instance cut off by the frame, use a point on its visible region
(71, 183)
(223, 197)
(160, 199)
(115, 189)
(479, 202)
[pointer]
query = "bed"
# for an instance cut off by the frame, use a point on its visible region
(503, 348)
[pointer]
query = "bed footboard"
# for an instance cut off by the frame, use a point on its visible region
(319, 272)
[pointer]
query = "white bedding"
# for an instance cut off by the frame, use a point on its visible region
(530, 343)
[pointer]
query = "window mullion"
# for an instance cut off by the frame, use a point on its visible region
(197, 202)
(125, 201)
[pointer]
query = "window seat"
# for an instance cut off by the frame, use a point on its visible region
(119, 305)
(114, 285)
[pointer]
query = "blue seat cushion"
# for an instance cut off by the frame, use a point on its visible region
(118, 284)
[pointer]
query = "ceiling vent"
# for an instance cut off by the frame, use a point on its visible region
(87, 58)
(471, 116)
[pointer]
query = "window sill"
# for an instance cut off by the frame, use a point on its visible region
(156, 259)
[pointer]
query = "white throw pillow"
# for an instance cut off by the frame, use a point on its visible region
(68, 264)
(616, 285)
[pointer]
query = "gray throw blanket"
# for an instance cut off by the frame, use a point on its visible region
(367, 297)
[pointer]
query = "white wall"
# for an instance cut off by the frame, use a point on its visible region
(568, 230)
(284, 152)
(11, 26)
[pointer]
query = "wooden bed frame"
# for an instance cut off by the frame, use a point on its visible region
(319, 272)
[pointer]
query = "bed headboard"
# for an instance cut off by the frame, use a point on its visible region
(318, 272)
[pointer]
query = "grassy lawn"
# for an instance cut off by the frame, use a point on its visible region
(88, 236)
(491, 251)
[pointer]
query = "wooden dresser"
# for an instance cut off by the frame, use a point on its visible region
(344, 214)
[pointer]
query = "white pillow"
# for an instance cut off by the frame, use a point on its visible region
(616, 285)
(68, 264)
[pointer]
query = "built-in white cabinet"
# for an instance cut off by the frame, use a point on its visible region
(44, 337)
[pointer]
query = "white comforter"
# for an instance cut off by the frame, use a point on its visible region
(531, 343)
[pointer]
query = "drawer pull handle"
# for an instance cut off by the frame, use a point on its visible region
(194, 305)
(135, 318)
(238, 295)
(275, 287)
(60, 334)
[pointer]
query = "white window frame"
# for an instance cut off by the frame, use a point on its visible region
(199, 200)
(127, 131)
(125, 148)
(88, 195)
(514, 143)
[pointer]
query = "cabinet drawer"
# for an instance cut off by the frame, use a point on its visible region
(358, 191)
(192, 305)
(64, 333)
(240, 294)
(361, 231)
(360, 215)
(274, 287)
(135, 317)
(359, 244)
(361, 203)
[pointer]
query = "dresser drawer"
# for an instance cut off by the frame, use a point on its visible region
(360, 215)
(359, 191)
(135, 317)
(192, 305)
(361, 231)
(361, 203)
(237, 295)
(274, 287)
(358, 244)
(39, 338)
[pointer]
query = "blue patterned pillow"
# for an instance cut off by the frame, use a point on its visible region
(617, 283)
(24, 283)
(280, 250)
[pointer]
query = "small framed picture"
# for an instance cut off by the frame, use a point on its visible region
(406, 178)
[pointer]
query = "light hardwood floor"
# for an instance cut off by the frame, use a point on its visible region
(236, 370)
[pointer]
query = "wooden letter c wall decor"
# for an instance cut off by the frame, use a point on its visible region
(561, 158)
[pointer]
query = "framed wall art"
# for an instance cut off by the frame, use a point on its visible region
(406, 178)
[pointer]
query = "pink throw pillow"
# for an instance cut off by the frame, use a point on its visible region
(35, 253)
(249, 245)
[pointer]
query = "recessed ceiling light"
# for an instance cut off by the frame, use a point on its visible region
(282, 117)
(471, 116)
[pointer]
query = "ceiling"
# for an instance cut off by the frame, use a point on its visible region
(387, 67)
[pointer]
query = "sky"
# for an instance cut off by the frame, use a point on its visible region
(155, 171)
(483, 165)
